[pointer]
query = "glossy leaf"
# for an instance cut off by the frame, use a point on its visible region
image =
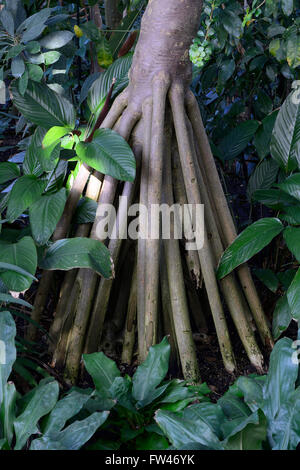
(293, 295)
(24, 193)
(281, 317)
(23, 255)
(233, 144)
(291, 186)
(252, 240)
(41, 403)
(8, 356)
(102, 370)
(110, 154)
(78, 252)
(44, 215)
(8, 171)
(152, 372)
(268, 278)
(56, 39)
(285, 141)
(44, 107)
(292, 238)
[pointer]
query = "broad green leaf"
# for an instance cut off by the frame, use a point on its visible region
(44, 215)
(152, 372)
(8, 171)
(151, 441)
(274, 198)
(292, 186)
(74, 436)
(284, 429)
(44, 107)
(262, 138)
(248, 435)
(281, 317)
(293, 46)
(252, 240)
(8, 411)
(41, 403)
(100, 88)
(252, 389)
(51, 57)
(17, 67)
(233, 144)
(65, 409)
(268, 278)
(281, 378)
(23, 83)
(15, 51)
(102, 370)
(7, 21)
(263, 176)
(23, 255)
(86, 211)
(182, 431)
(285, 141)
(287, 7)
(292, 238)
(33, 47)
(120, 391)
(54, 135)
(35, 72)
(110, 154)
(56, 39)
(291, 215)
(46, 157)
(78, 252)
(7, 351)
(24, 193)
(231, 22)
(293, 295)
(34, 25)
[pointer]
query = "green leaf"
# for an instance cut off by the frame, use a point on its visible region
(262, 138)
(51, 57)
(24, 193)
(293, 295)
(102, 370)
(44, 107)
(7, 21)
(64, 410)
(41, 403)
(285, 141)
(15, 51)
(292, 238)
(17, 66)
(8, 171)
(44, 215)
(152, 372)
(56, 39)
(78, 252)
(292, 186)
(281, 317)
(35, 72)
(54, 135)
(110, 154)
(291, 215)
(273, 198)
(8, 411)
(293, 46)
(23, 255)
(8, 349)
(33, 47)
(100, 88)
(281, 378)
(252, 240)
(23, 83)
(233, 144)
(252, 389)
(47, 157)
(231, 22)
(182, 431)
(86, 211)
(74, 436)
(263, 176)
(250, 434)
(268, 278)
(287, 7)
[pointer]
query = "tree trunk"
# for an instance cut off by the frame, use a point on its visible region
(160, 107)
(112, 14)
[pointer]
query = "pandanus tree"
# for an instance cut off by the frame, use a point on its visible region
(160, 118)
